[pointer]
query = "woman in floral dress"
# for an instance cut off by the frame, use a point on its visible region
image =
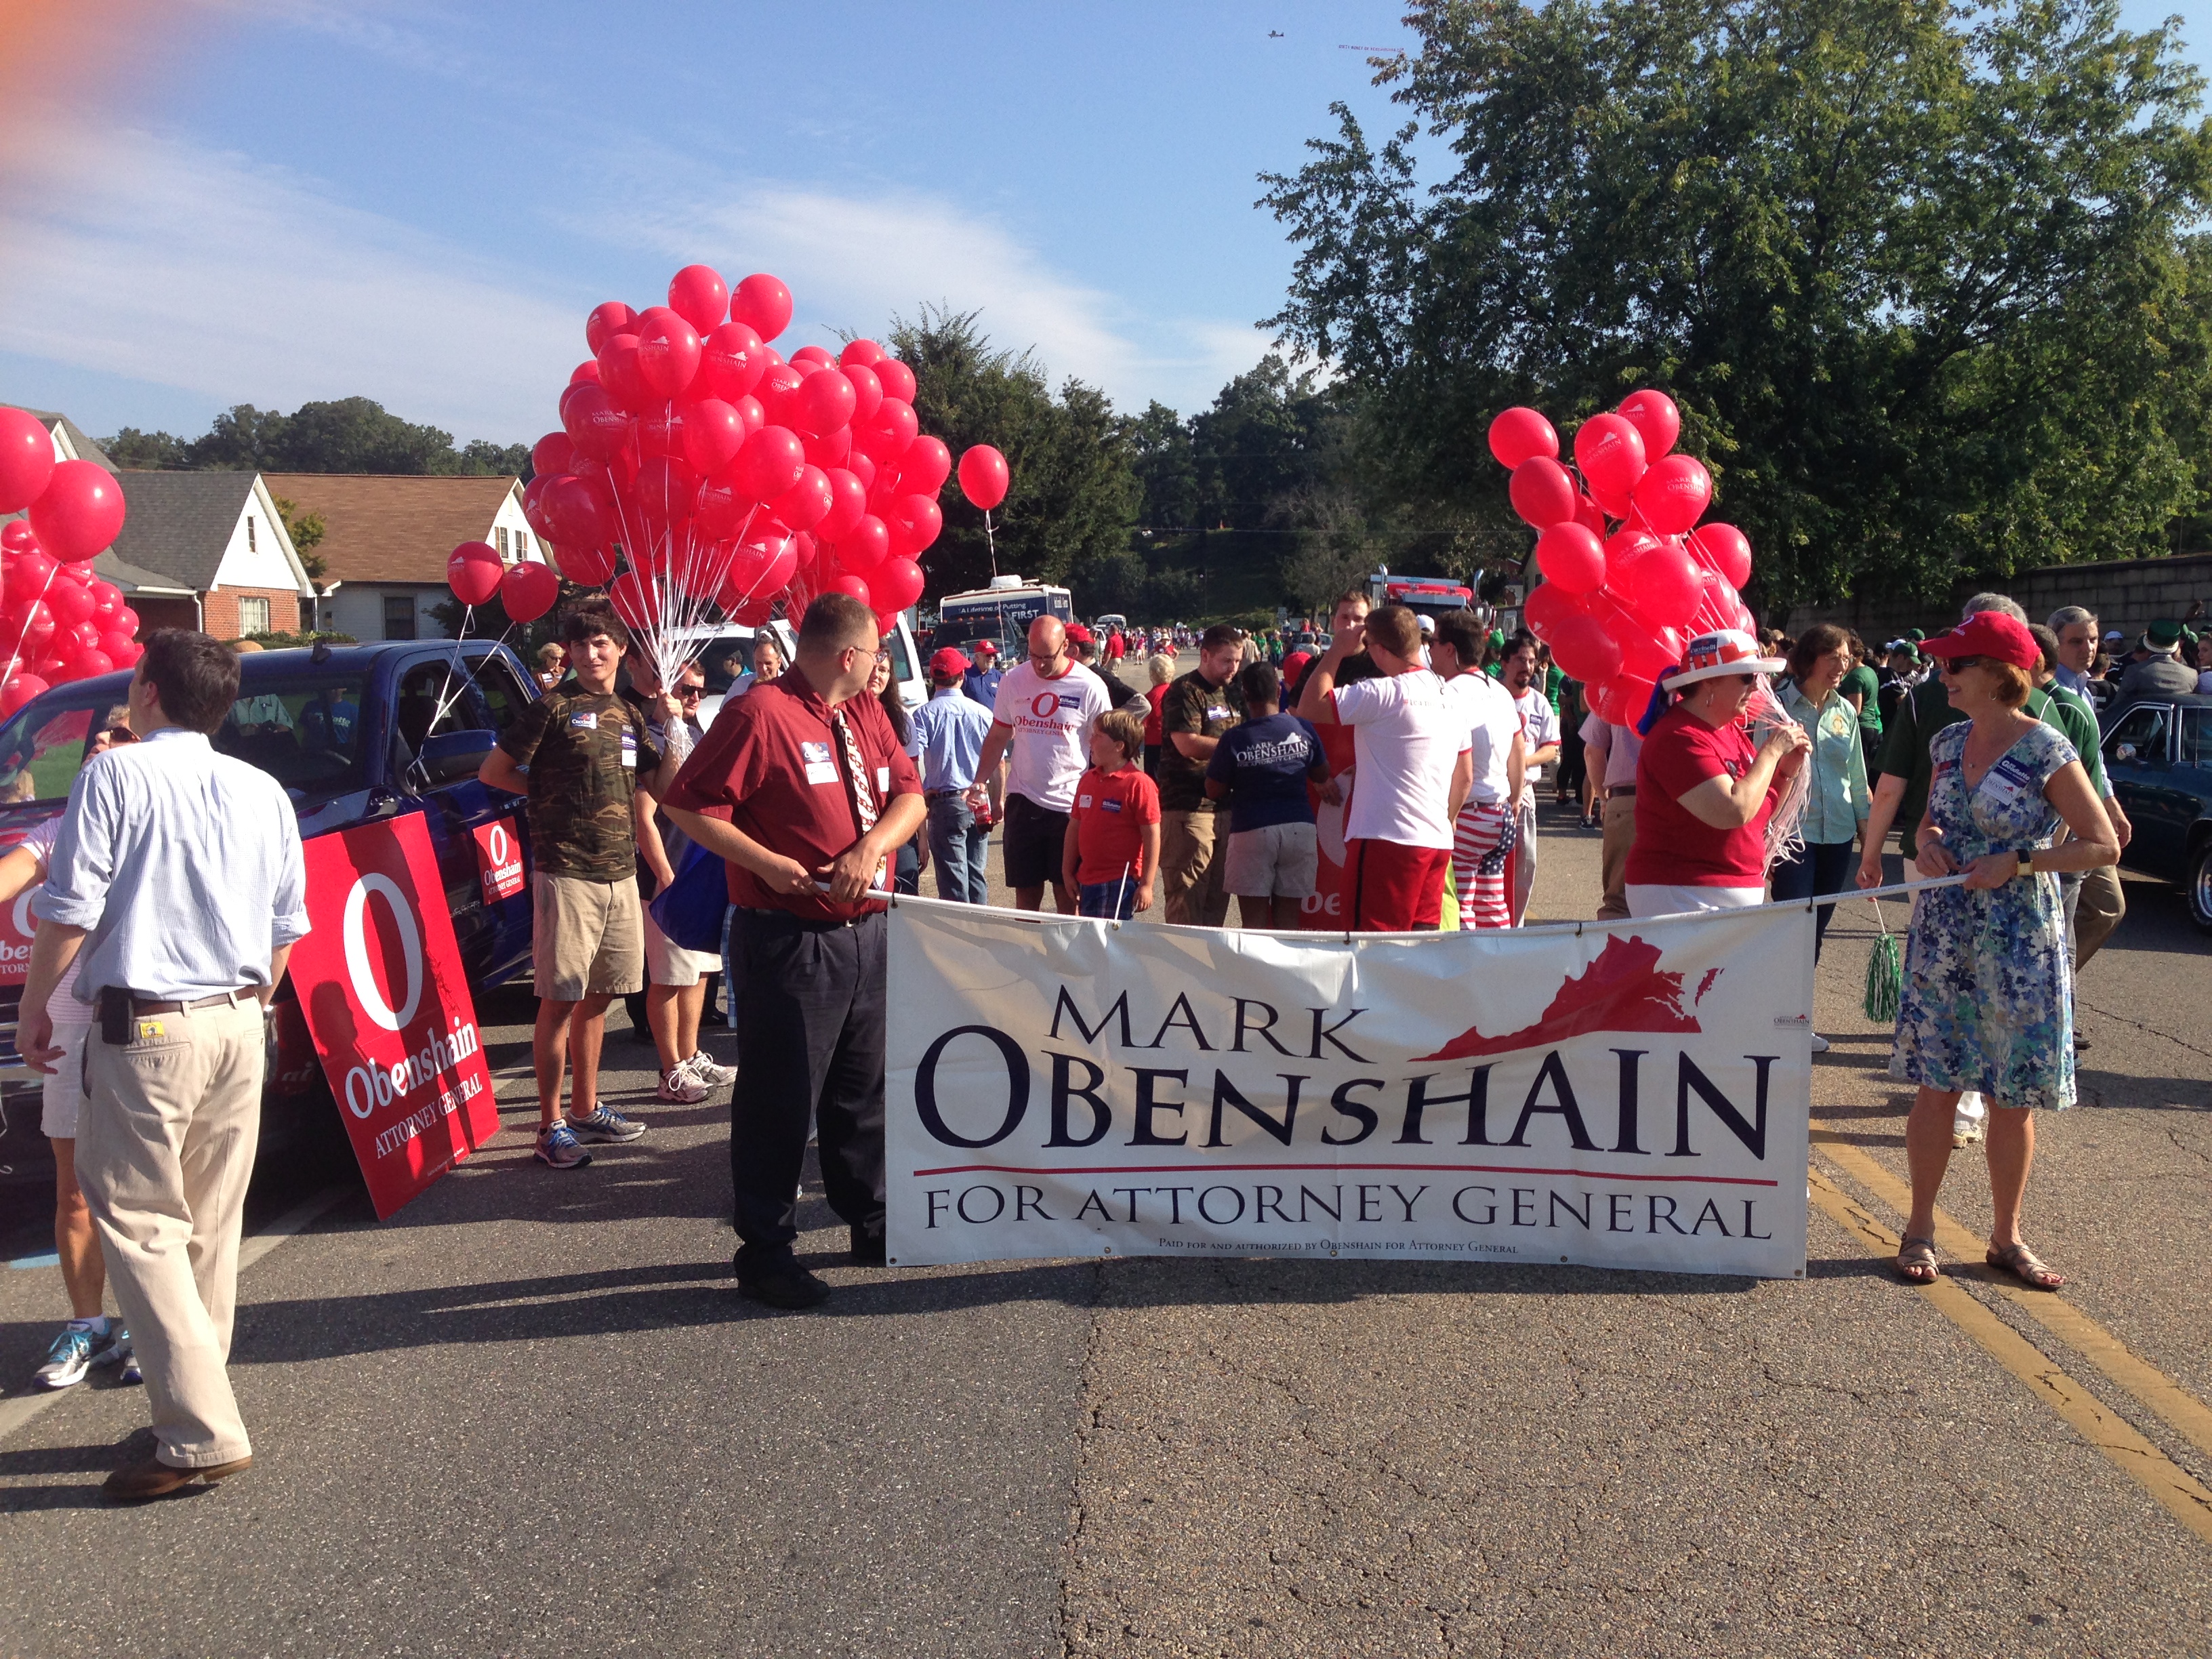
(1988, 997)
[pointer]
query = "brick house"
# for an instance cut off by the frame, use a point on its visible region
(207, 550)
(387, 538)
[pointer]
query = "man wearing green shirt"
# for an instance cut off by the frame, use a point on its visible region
(1862, 688)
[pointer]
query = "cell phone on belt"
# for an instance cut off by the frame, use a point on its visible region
(114, 1015)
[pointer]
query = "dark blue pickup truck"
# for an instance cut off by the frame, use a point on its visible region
(356, 734)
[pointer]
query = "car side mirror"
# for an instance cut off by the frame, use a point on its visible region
(2126, 751)
(450, 756)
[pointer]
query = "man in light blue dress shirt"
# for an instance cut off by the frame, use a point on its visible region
(177, 887)
(947, 740)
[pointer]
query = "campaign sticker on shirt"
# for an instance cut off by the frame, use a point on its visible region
(584, 719)
(629, 750)
(1216, 714)
(883, 780)
(1110, 805)
(820, 768)
(1083, 802)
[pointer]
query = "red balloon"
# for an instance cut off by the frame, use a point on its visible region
(528, 590)
(473, 572)
(21, 687)
(845, 582)
(777, 383)
(29, 573)
(1724, 549)
(714, 433)
(1625, 544)
(803, 548)
(127, 619)
(586, 566)
(79, 514)
(895, 427)
(665, 488)
(764, 304)
(1521, 434)
(812, 354)
(1549, 605)
(731, 361)
(1654, 415)
(635, 602)
(1613, 506)
(1673, 494)
(1543, 493)
(555, 453)
(608, 319)
(91, 661)
(107, 602)
(925, 466)
(1661, 581)
(824, 403)
(16, 536)
(1571, 558)
(698, 294)
(723, 510)
(831, 451)
(863, 467)
(660, 430)
(750, 407)
(896, 585)
(52, 669)
(867, 391)
(1623, 699)
(865, 545)
(1584, 651)
(1648, 654)
(1610, 452)
(807, 503)
(620, 374)
(848, 503)
(71, 603)
(578, 512)
(1590, 516)
(118, 647)
(26, 459)
(860, 353)
(916, 522)
(72, 639)
(897, 378)
(80, 574)
(983, 476)
(668, 351)
(587, 370)
(771, 462)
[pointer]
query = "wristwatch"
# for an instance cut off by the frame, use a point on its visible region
(2025, 867)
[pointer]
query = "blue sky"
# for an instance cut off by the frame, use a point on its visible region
(269, 201)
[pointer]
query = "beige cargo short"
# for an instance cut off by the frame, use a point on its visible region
(587, 937)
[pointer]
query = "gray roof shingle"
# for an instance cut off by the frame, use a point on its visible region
(179, 522)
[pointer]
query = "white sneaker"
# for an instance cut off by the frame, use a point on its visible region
(1819, 1043)
(1966, 1120)
(709, 1071)
(680, 1088)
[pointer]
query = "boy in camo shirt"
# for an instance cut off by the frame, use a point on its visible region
(586, 753)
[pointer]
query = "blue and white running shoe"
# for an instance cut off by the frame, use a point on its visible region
(557, 1147)
(605, 1124)
(78, 1349)
(711, 1071)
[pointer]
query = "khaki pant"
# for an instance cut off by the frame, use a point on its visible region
(2097, 911)
(1193, 866)
(1619, 836)
(165, 1143)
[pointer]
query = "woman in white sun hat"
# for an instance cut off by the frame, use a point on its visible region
(1704, 791)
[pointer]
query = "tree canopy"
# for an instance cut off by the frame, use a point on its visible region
(1925, 280)
(349, 435)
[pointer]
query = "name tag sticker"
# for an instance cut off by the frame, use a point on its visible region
(629, 750)
(883, 780)
(821, 771)
(584, 720)
(1083, 802)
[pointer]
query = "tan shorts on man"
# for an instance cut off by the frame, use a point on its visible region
(1193, 860)
(1281, 860)
(588, 937)
(1619, 836)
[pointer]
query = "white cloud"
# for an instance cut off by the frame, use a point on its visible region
(162, 261)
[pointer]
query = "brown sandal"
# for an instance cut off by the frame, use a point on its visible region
(1915, 1261)
(2024, 1265)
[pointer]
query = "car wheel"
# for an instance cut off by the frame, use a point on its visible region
(2200, 886)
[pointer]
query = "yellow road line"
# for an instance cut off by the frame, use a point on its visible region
(2188, 1416)
(2170, 1485)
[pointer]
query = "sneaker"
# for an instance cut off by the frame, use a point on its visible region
(557, 1145)
(77, 1350)
(711, 1071)
(1819, 1043)
(604, 1124)
(788, 1286)
(681, 1086)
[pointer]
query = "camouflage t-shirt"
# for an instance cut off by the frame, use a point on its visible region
(584, 753)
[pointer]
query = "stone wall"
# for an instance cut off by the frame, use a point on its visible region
(2125, 593)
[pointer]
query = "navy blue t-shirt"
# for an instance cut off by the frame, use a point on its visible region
(1265, 764)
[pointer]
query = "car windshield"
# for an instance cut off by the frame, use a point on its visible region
(46, 744)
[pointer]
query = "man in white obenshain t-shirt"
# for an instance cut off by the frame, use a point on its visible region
(1539, 740)
(1041, 723)
(1483, 833)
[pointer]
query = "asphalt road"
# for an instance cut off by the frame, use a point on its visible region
(528, 1415)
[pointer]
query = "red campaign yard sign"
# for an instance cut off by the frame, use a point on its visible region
(380, 980)
(499, 860)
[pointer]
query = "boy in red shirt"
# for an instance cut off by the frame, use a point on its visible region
(1113, 834)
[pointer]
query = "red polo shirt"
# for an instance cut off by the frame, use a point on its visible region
(769, 765)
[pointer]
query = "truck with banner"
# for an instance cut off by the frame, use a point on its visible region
(418, 874)
(1001, 613)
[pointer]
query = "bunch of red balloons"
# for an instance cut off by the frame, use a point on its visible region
(699, 474)
(1630, 576)
(58, 621)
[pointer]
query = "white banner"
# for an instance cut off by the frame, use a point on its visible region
(1624, 1096)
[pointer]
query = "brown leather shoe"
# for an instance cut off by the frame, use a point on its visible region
(135, 1483)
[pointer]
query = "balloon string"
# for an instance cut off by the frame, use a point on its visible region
(990, 544)
(16, 650)
(444, 704)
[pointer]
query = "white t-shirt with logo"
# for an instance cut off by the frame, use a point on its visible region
(1493, 728)
(1051, 721)
(1540, 725)
(1408, 732)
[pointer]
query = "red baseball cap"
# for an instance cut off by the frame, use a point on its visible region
(1988, 633)
(949, 661)
(986, 648)
(1077, 633)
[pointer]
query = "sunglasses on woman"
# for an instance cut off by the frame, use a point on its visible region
(1956, 666)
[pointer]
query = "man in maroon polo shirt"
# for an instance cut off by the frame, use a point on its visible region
(803, 786)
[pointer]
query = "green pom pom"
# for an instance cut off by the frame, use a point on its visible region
(1885, 979)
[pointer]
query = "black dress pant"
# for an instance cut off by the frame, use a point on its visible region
(809, 1004)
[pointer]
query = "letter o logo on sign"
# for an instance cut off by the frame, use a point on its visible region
(498, 845)
(24, 921)
(357, 952)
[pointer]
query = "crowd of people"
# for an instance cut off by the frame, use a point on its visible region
(770, 843)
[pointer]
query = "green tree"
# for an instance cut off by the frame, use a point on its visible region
(306, 530)
(1920, 277)
(1166, 469)
(1267, 436)
(349, 435)
(1074, 491)
(145, 452)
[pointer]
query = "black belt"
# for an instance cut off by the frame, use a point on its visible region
(808, 924)
(939, 794)
(1620, 789)
(141, 1005)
